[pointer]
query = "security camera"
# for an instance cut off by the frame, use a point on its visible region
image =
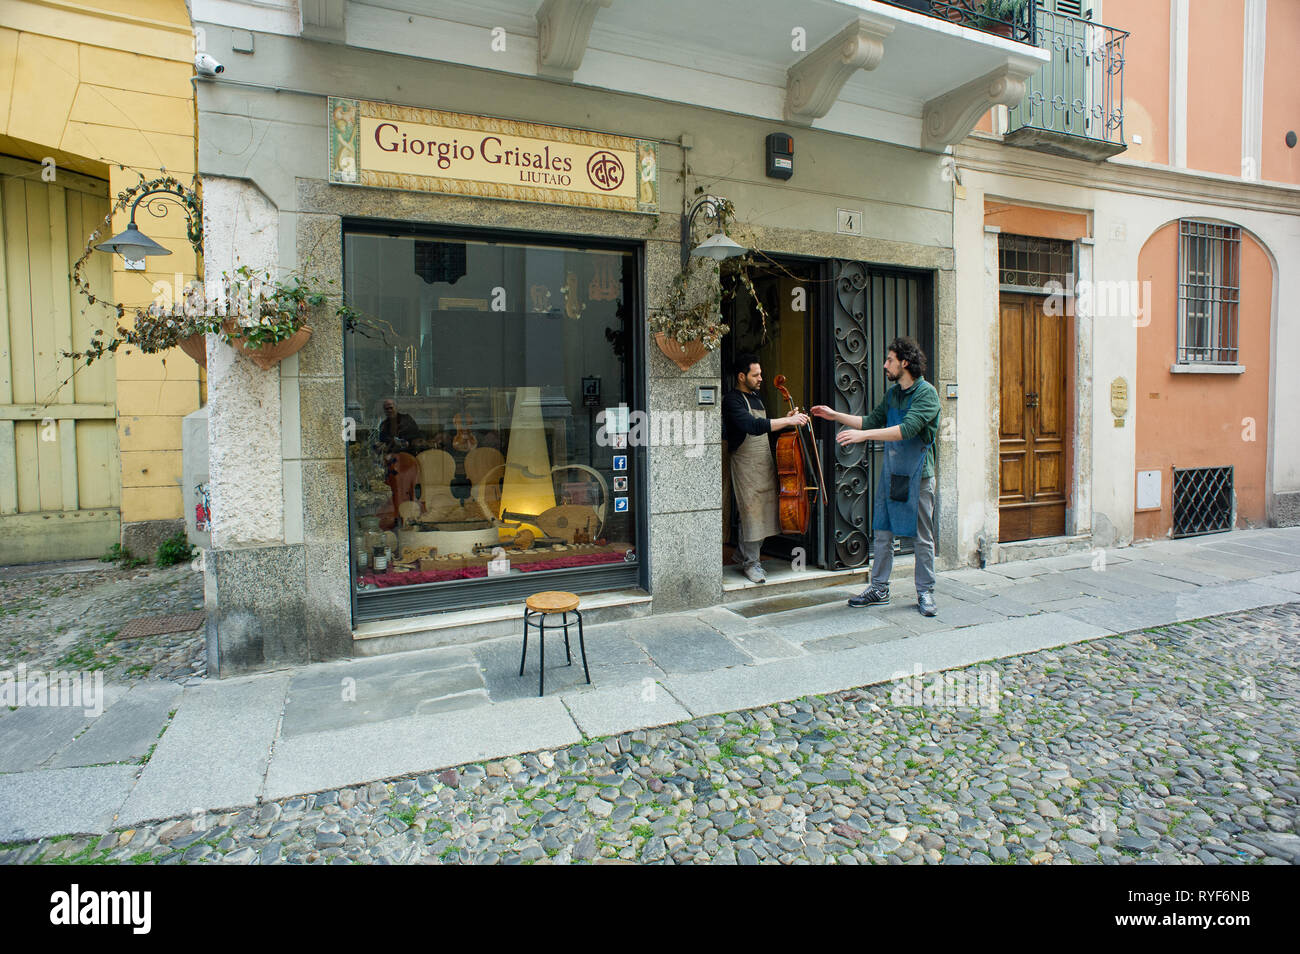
(207, 66)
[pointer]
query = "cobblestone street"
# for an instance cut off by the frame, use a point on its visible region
(70, 619)
(1173, 745)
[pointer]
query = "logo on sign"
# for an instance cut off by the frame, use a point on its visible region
(605, 170)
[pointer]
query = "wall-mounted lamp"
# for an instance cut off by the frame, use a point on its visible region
(132, 244)
(717, 246)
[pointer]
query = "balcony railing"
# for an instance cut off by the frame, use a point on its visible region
(1074, 105)
(969, 13)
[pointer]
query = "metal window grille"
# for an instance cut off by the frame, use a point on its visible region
(1030, 263)
(1202, 500)
(1209, 289)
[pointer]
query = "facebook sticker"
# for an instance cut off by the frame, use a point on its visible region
(620, 462)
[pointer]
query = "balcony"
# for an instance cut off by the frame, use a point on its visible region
(1019, 27)
(916, 73)
(1074, 105)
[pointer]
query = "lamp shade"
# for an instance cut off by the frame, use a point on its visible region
(132, 245)
(527, 489)
(718, 247)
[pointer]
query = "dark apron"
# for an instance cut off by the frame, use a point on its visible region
(905, 460)
(753, 475)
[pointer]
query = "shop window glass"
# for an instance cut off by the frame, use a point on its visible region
(478, 451)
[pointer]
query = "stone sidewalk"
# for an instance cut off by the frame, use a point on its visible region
(232, 743)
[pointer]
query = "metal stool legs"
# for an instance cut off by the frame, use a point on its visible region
(539, 620)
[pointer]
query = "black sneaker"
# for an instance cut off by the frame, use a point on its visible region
(872, 596)
(925, 604)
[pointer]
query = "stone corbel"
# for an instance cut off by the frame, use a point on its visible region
(563, 29)
(322, 20)
(814, 83)
(949, 118)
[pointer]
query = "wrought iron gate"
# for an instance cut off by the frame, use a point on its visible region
(871, 306)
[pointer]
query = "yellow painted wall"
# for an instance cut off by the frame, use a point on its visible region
(101, 87)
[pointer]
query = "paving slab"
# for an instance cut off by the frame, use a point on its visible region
(127, 729)
(1283, 581)
(1006, 606)
(973, 576)
(824, 622)
(345, 701)
(612, 655)
(1043, 589)
(958, 614)
(325, 760)
(747, 687)
(31, 735)
(830, 644)
(1187, 571)
(682, 644)
(63, 801)
(1119, 582)
(1278, 561)
(725, 621)
(1164, 608)
(782, 604)
(763, 644)
(1288, 544)
(621, 709)
(214, 754)
(395, 665)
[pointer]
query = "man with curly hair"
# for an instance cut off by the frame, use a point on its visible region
(907, 420)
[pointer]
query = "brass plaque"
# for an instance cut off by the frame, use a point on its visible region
(1119, 399)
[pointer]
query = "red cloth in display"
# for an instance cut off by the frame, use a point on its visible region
(475, 572)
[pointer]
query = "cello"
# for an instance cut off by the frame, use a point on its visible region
(793, 460)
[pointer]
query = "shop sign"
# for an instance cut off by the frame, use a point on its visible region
(430, 150)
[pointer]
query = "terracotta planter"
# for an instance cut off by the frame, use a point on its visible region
(682, 354)
(269, 356)
(196, 346)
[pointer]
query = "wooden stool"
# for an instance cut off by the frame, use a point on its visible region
(536, 608)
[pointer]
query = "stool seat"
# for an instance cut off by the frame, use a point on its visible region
(552, 601)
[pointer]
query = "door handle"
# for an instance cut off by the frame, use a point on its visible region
(1031, 399)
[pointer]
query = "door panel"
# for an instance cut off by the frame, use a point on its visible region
(1034, 425)
(58, 433)
(870, 307)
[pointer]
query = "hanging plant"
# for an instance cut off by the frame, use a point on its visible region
(689, 323)
(261, 315)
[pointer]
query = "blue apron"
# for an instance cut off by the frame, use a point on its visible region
(901, 457)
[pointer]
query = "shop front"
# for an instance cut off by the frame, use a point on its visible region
(484, 467)
(499, 419)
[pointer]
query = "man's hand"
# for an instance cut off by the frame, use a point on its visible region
(781, 423)
(850, 435)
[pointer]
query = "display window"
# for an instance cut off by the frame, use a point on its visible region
(480, 464)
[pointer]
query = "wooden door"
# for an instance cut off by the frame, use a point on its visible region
(1034, 432)
(60, 478)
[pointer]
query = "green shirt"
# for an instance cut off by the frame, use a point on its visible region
(921, 420)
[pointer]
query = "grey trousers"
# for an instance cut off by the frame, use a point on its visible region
(751, 551)
(882, 561)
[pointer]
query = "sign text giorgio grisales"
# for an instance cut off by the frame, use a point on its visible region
(407, 147)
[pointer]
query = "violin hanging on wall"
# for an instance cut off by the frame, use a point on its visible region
(796, 456)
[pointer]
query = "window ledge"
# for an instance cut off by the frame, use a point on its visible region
(1207, 369)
